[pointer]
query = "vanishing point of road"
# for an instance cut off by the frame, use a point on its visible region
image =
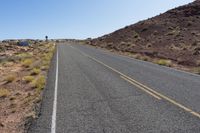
(94, 91)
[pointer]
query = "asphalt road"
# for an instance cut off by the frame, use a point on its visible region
(94, 91)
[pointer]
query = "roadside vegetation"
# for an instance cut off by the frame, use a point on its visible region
(4, 93)
(198, 70)
(160, 61)
(27, 62)
(28, 79)
(10, 78)
(169, 39)
(164, 62)
(24, 73)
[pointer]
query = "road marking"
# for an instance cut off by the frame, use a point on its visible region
(151, 63)
(53, 123)
(150, 93)
(146, 88)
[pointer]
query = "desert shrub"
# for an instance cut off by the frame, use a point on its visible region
(197, 70)
(174, 32)
(2, 49)
(28, 79)
(144, 58)
(45, 63)
(10, 78)
(141, 57)
(136, 35)
(24, 55)
(164, 62)
(47, 58)
(35, 71)
(39, 83)
(4, 92)
(137, 56)
(27, 62)
(7, 63)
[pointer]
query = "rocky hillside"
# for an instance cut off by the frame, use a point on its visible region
(174, 35)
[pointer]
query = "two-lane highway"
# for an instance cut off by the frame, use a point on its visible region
(94, 91)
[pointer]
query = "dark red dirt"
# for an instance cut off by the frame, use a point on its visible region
(174, 35)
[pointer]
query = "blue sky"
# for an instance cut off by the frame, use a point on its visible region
(78, 19)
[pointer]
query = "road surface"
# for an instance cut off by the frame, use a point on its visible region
(94, 91)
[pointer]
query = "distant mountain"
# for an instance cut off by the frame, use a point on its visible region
(174, 35)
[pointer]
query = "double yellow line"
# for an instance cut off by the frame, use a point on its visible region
(140, 87)
(143, 87)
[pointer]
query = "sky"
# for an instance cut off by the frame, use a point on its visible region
(77, 19)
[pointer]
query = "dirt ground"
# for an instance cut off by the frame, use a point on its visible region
(23, 72)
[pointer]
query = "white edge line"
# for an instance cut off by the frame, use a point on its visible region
(53, 124)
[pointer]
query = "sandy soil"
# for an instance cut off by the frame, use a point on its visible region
(19, 95)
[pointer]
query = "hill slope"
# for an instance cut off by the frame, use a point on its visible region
(174, 35)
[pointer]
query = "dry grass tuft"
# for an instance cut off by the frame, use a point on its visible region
(141, 57)
(35, 71)
(10, 78)
(4, 93)
(28, 79)
(24, 55)
(144, 58)
(39, 83)
(164, 62)
(27, 62)
(197, 70)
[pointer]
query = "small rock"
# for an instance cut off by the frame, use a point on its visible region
(196, 53)
(1, 124)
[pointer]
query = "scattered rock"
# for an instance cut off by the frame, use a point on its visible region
(169, 34)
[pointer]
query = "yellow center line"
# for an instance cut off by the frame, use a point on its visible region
(143, 87)
(150, 93)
